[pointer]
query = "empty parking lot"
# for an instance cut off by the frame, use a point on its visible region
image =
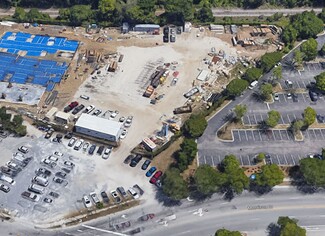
(246, 136)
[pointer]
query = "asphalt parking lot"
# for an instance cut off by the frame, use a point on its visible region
(286, 118)
(314, 134)
(247, 136)
(248, 160)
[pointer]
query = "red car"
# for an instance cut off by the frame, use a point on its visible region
(155, 177)
(73, 104)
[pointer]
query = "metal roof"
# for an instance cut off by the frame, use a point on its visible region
(62, 115)
(99, 124)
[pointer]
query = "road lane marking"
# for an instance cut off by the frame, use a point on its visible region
(103, 230)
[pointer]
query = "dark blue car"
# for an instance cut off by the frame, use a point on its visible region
(151, 171)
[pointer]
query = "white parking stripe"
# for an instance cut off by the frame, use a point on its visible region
(285, 158)
(288, 118)
(303, 96)
(282, 119)
(241, 159)
(238, 135)
(255, 119)
(287, 135)
(246, 135)
(253, 135)
(298, 85)
(294, 117)
(277, 156)
(294, 163)
(304, 84)
(249, 120)
(321, 133)
(249, 161)
(314, 134)
(259, 133)
(212, 161)
(205, 160)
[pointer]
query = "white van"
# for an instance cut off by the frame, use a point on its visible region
(19, 157)
(41, 181)
(253, 84)
(78, 144)
(36, 189)
(7, 179)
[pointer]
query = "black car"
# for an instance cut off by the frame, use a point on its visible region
(172, 38)
(313, 96)
(61, 174)
(100, 150)
(43, 172)
(66, 170)
(78, 109)
(104, 196)
(128, 159)
(145, 164)
(58, 180)
(92, 149)
(165, 39)
(166, 31)
(135, 160)
(138, 189)
(320, 119)
(54, 194)
(268, 159)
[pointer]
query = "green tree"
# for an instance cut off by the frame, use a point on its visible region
(17, 120)
(252, 74)
(186, 155)
(289, 227)
(80, 14)
(320, 81)
(266, 91)
(205, 14)
(307, 24)
(313, 172)
(322, 51)
(269, 60)
(277, 72)
(270, 176)
(273, 118)
(309, 116)
(20, 14)
(296, 126)
(240, 110)
(179, 11)
(208, 180)
(309, 49)
(236, 87)
(322, 15)
(236, 180)
(260, 157)
(105, 6)
(298, 59)
(289, 35)
(173, 185)
(194, 127)
(225, 232)
(21, 130)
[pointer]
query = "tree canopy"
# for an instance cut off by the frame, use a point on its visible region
(320, 81)
(273, 118)
(173, 185)
(194, 127)
(313, 171)
(269, 60)
(309, 116)
(236, 87)
(270, 176)
(208, 180)
(240, 110)
(266, 91)
(225, 232)
(309, 49)
(252, 74)
(186, 155)
(290, 227)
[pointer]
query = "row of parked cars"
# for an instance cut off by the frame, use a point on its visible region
(133, 161)
(117, 196)
(79, 144)
(13, 167)
(42, 178)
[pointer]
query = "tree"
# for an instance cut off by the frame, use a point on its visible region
(322, 15)
(208, 180)
(277, 72)
(186, 155)
(309, 49)
(105, 6)
(194, 127)
(270, 176)
(269, 60)
(289, 227)
(260, 157)
(307, 24)
(20, 14)
(80, 14)
(205, 14)
(273, 118)
(34, 14)
(289, 35)
(298, 58)
(225, 232)
(240, 110)
(309, 116)
(322, 51)
(236, 180)
(236, 87)
(179, 11)
(17, 120)
(266, 91)
(296, 126)
(320, 81)
(173, 185)
(252, 74)
(313, 172)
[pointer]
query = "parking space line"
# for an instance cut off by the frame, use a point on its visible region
(313, 66)
(280, 135)
(241, 160)
(255, 119)
(259, 133)
(303, 96)
(249, 161)
(294, 117)
(212, 161)
(298, 85)
(294, 163)
(288, 118)
(249, 120)
(219, 159)
(282, 119)
(284, 98)
(285, 158)
(205, 160)
(314, 134)
(246, 135)
(238, 135)
(253, 135)
(307, 134)
(277, 156)
(304, 84)
(287, 135)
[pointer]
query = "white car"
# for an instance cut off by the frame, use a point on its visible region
(107, 152)
(59, 154)
(7, 179)
(94, 197)
(72, 141)
(87, 202)
(69, 164)
(133, 193)
(23, 149)
(276, 97)
(123, 134)
(114, 114)
(52, 158)
(128, 121)
(85, 146)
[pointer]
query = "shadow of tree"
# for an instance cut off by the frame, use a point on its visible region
(165, 200)
(273, 230)
(260, 190)
(298, 180)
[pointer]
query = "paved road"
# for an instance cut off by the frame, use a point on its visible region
(248, 213)
(211, 148)
(258, 12)
(53, 12)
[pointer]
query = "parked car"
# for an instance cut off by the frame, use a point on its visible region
(128, 159)
(97, 112)
(61, 174)
(104, 196)
(85, 146)
(87, 202)
(122, 192)
(155, 177)
(133, 193)
(54, 194)
(137, 188)
(128, 121)
(92, 149)
(53, 158)
(135, 160)
(49, 134)
(100, 150)
(276, 97)
(313, 96)
(72, 142)
(151, 171)
(145, 164)
(23, 149)
(89, 109)
(289, 96)
(78, 109)
(294, 97)
(114, 194)
(165, 39)
(172, 38)
(31, 196)
(69, 164)
(68, 135)
(123, 134)
(114, 114)
(93, 195)
(107, 152)
(43, 172)
(84, 97)
(59, 154)
(122, 119)
(289, 83)
(48, 200)
(4, 188)
(48, 162)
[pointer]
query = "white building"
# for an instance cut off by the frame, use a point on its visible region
(99, 127)
(203, 75)
(62, 117)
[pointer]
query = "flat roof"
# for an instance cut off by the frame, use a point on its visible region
(99, 124)
(62, 115)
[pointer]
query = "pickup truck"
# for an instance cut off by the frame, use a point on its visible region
(94, 197)
(30, 196)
